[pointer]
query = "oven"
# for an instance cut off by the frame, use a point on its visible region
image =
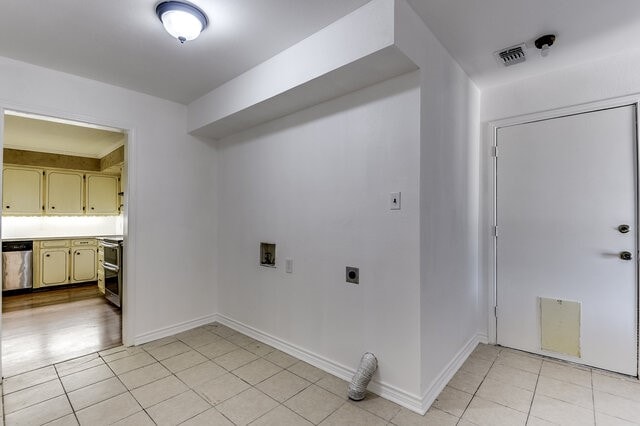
(112, 267)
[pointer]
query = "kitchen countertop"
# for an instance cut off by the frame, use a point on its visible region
(81, 237)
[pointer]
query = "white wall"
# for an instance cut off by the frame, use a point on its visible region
(60, 226)
(170, 248)
(317, 183)
(594, 81)
(449, 191)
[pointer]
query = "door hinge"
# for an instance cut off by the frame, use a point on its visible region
(43, 173)
(495, 231)
(495, 311)
(494, 151)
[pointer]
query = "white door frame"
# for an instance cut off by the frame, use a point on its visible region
(129, 210)
(489, 146)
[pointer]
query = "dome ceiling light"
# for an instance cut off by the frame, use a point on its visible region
(183, 21)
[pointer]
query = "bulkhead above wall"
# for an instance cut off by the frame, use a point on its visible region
(354, 52)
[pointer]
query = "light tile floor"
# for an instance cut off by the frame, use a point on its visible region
(215, 376)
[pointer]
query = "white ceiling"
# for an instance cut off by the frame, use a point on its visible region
(44, 135)
(472, 30)
(123, 43)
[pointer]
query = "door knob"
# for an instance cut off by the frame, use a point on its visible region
(623, 229)
(625, 255)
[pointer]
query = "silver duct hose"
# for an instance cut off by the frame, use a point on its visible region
(358, 385)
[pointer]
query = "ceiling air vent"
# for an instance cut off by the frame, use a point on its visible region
(512, 55)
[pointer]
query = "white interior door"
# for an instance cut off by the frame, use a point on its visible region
(564, 186)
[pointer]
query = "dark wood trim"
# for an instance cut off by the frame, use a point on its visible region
(46, 160)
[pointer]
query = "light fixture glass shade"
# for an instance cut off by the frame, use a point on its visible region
(182, 20)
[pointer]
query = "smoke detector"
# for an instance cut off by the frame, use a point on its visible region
(544, 43)
(511, 55)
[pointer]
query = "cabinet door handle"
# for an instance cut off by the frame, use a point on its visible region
(8, 207)
(47, 255)
(77, 253)
(92, 208)
(53, 207)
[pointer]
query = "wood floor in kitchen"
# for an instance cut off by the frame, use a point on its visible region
(42, 328)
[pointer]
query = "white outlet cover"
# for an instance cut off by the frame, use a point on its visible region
(394, 201)
(288, 265)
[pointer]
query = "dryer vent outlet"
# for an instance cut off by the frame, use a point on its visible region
(511, 55)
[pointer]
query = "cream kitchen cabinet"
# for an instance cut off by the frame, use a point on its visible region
(30, 191)
(65, 262)
(53, 263)
(102, 194)
(22, 191)
(64, 193)
(84, 254)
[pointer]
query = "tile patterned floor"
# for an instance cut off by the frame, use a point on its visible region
(215, 376)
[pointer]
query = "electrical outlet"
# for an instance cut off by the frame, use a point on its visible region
(353, 275)
(394, 201)
(288, 265)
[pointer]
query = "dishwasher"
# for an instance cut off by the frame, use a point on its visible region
(17, 265)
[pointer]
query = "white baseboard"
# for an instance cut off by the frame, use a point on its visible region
(449, 371)
(483, 338)
(173, 329)
(392, 393)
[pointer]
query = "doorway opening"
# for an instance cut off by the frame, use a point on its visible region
(63, 210)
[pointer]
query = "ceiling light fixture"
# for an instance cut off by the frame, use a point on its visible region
(183, 21)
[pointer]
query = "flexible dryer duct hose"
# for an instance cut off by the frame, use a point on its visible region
(358, 385)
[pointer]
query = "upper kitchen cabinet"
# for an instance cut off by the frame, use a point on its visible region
(102, 195)
(22, 191)
(64, 193)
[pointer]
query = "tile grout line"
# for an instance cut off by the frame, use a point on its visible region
(126, 391)
(481, 382)
(282, 369)
(593, 396)
(4, 411)
(189, 388)
(535, 390)
(154, 381)
(212, 406)
(251, 386)
(73, 411)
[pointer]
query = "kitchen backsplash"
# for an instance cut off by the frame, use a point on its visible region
(63, 226)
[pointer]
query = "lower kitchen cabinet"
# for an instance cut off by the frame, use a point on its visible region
(65, 262)
(54, 266)
(83, 264)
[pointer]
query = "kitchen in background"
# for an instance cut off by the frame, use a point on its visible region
(62, 244)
